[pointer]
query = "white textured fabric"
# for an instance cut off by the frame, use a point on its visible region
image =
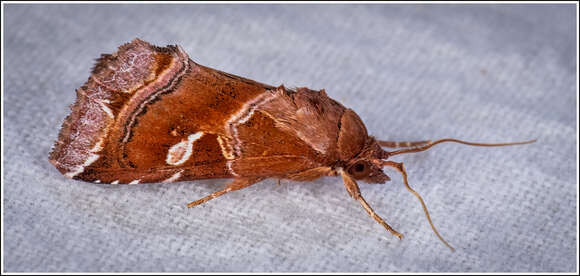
(489, 73)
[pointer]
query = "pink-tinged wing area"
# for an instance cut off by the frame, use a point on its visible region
(104, 140)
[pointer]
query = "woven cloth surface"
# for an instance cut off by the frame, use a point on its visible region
(487, 73)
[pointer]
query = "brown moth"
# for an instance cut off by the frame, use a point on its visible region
(151, 114)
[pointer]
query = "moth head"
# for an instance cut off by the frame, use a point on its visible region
(367, 165)
(367, 170)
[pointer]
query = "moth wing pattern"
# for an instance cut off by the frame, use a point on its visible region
(151, 114)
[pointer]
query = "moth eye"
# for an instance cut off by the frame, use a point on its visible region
(359, 170)
(359, 167)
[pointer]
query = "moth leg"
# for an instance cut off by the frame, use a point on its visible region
(236, 184)
(354, 191)
(405, 144)
(311, 174)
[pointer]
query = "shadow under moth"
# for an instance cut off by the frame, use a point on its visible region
(151, 114)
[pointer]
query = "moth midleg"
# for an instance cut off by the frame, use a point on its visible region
(402, 144)
(354, 191)
(311, 174)
(236, 184)
(399, 167)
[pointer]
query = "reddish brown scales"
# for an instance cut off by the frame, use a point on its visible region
(241, 127)
(150, 114)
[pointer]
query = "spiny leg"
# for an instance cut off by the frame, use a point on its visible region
(236, 184)
(354, 191)
(399, 167)
(405, 144)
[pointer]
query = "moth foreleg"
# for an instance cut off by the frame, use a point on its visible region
(236, 184)
(354, 191)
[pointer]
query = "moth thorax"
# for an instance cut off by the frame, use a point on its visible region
(352, 135)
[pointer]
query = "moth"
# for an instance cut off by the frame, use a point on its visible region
(151, 114)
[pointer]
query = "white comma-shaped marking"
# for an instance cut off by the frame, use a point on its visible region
(181, 152)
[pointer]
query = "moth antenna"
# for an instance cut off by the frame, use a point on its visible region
(399, 144)
(429, 144)
(399, 167)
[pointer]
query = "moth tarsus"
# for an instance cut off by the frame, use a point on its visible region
(151, 114)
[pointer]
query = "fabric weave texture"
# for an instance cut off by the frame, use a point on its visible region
(483, 73)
